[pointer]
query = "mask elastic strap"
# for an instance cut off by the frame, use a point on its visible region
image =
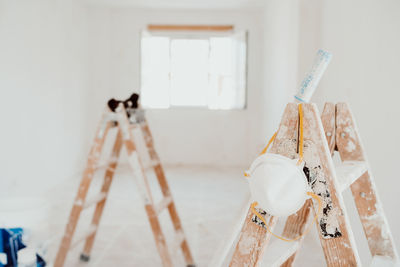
(264, 151)
(269, 143)
(317, 198)
(301, 135)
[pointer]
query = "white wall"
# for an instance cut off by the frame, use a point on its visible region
(280, 81)
(42, 93)
(183, 136)
(59, 62)
(364, 39)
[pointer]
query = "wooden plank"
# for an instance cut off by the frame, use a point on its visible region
(89, 232)
(253, 239)
(376, 228)
(108, 177)
(335, 234)
(159, 171)
(295, 224)
(170, 27)
(163, 204)
(143, 186)
(347, 172)
(329, 124)
(94, 200)
(88, 174)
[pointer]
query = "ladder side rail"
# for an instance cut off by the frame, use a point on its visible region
(295, 224)
(108, 177)
(335, 234)
(148, 138)
(160, 174)
(253, 238)
(328, 119)
(369, 207)
(93, 158)
(143, 186)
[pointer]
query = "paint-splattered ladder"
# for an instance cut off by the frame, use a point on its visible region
(125, 138)
(335, 130)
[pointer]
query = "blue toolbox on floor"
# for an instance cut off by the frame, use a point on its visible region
(11, 241)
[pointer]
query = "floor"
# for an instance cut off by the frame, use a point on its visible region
(208, 200)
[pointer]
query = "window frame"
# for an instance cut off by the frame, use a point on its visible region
(197, 34)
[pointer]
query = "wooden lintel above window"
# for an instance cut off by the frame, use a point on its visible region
(169, 27)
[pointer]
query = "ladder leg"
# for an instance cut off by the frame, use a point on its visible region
(174, 215)
(108, 177)
(335, 234)
(252, 241)
(166, 192)
(148, 138)
(296, 223)
(159, 236)
(93, 159)
(376, 228)
(143, 187)
(253, 238)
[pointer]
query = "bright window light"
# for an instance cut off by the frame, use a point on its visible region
(193, 71)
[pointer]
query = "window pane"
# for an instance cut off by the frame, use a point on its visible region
(155, 63)
(189, 72)
(240, 69)
(220, 91)
(227, 72)
(207, 71)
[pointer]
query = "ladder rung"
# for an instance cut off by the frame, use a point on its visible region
(152, 164)
(105, 165)
(348, 172)
(379, 261)
(92, 229)
(278, 252)
(101, 166)
(134, 125)
(179, 238)
(164, 203)
(94, 200)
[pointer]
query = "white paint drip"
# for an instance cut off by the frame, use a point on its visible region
(350, 147)
(78, 202)
(246, 244)
(319, 184)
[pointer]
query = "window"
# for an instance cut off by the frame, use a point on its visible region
(193, 69)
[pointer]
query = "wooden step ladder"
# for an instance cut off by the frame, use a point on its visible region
(125, 122)
(335, 130)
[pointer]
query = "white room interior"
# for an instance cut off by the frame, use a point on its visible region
(60, 61)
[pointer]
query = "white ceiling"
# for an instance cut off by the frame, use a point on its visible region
(201, 4)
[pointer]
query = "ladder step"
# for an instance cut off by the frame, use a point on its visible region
(380, 261)
(134, 126)
(105, 165)
(164, 203)
(91, 231)
(152, 164)
(278, 252)
(348, 172)
(94, 200)
(179, 238)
